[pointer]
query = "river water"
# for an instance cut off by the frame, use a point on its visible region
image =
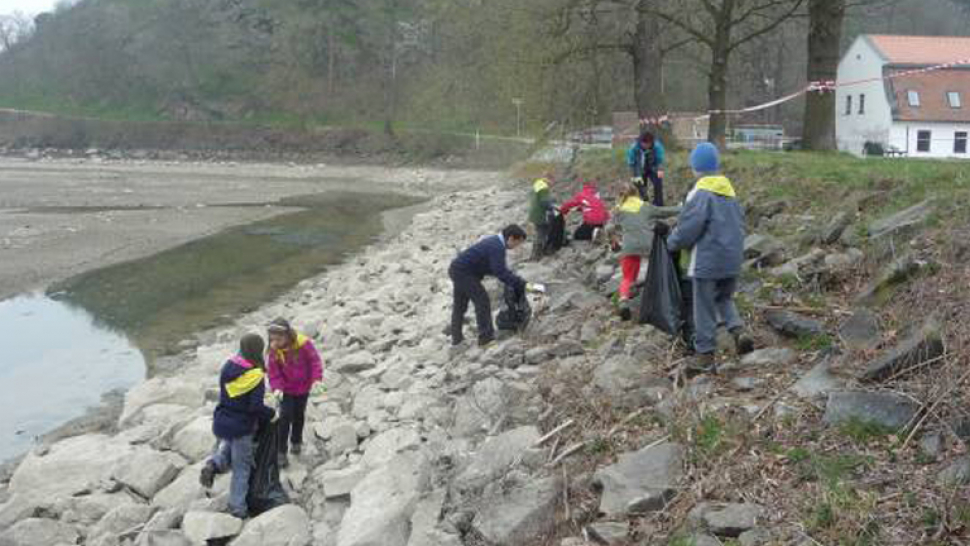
(105, 329)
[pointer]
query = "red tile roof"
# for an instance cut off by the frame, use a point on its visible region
(932, 88)
(922, 50)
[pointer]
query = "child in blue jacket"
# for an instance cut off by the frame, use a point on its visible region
(238, 414)
(646, 161)
(711, 227)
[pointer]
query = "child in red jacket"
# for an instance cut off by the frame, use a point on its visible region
(294, 366)
(595, 213)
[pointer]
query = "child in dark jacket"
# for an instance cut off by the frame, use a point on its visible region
(238, 414)
(541, 206)
(294, 367)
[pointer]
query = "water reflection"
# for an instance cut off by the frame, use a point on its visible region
(57, 363)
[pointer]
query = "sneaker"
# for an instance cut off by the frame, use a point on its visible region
(742, 342)
(238, 514)
(485, 341)
(208, 475)
(296, 449)
(700, 364)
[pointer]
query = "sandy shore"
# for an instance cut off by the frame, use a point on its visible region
(59, 218)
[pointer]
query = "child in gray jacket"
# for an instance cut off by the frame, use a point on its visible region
(712, 227)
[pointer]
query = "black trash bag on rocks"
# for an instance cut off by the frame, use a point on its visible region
(557, 233)
(265, 490)
(516, 313)
(661, 301)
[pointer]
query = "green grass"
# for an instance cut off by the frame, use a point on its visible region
(864, 432)
(814, 343)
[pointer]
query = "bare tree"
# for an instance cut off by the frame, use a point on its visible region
(14, 29)
(722, 26)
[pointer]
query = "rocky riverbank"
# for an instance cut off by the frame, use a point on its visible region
(572, 433)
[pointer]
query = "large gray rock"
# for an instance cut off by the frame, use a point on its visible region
(641, 481)
(287, 525)
(360, 361)
(771, 357)
(147, 471)
(891, 275)
(956, 474)
(382, 504)
(628, 383)
(343, 439)
(201, 527)
(195, 441)
(497, 456)
(122, 519)
(923, 346)
(834, 229)
(610, 533)
(162, 390)
(486, 402)
(39, 532)
(339, 483)
(763, 250)
(386, 445)
(520, 515)
(911, 217)
(860, 331)
(182, 492)
(68, 467)
(885, 409)
(793, 325)
(817, 382)
(725, 519)
(425, 529)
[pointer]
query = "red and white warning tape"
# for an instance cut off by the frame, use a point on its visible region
(813, 87)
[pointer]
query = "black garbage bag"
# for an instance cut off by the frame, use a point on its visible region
(265, 490)
(516, 313)
(661, 301)
(557, 233)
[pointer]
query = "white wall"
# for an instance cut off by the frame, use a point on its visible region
(862, 62)
(904, 136)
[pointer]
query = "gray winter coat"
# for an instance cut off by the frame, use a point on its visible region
(712, 226)
(637, 226)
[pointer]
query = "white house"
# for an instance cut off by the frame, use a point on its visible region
(919, 115)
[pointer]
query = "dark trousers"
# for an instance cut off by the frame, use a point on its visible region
(539, 243)
(292, 418)
(585, 232)
(658, 188)
(469, 288)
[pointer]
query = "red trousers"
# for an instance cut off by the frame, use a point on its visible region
(631, 270)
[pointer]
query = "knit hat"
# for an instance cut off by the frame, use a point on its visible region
(705, 158)
(251, 348)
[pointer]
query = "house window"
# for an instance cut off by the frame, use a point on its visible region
(862, 104)
(953, 97)
(960, 142)
(848, 105)
(913, 97)
(923, 141)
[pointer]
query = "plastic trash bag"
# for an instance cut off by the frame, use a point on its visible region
(265, 490)
(661, 301)
(516, 313)
(557, 233)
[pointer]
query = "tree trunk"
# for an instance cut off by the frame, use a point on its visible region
(647, 56)
(717, 82)
(824, 37)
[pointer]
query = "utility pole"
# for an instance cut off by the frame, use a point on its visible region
(518, 115)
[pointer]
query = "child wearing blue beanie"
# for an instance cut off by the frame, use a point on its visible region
(711, 226)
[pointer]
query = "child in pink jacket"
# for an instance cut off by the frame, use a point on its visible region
(294, 366)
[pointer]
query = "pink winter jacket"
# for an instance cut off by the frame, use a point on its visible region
(295, 370)
(588, 200)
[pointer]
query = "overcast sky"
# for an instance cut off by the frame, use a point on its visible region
(30, 7)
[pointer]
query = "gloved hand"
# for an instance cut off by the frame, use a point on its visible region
(535, 287)
(661, 229)
(319, 389)
(638, 180)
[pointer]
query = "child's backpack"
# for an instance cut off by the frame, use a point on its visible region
(516, 313)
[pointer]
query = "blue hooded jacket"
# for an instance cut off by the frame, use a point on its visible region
(241, 407)
(642, 161)
(711, 226)
(487, 257)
